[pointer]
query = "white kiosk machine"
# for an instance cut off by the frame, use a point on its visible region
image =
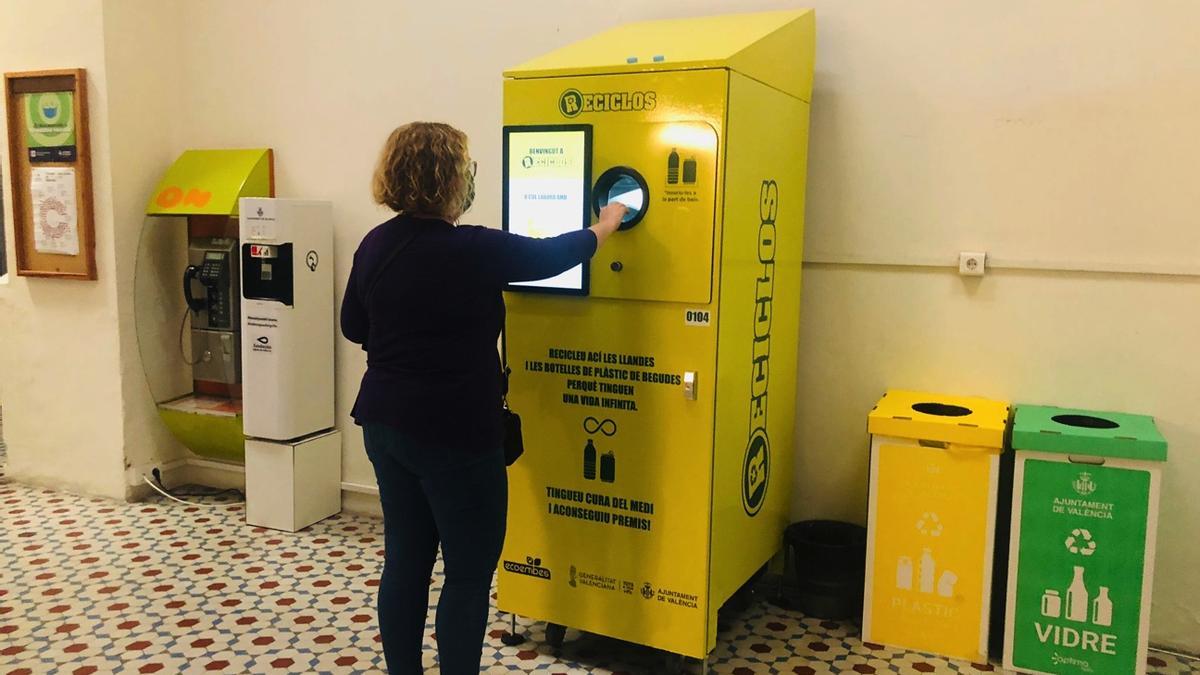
(293, 453)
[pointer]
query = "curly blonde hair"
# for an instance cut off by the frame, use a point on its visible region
(424, 169)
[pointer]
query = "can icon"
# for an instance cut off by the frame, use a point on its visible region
(608, 467)
(673, 167)
(689, 171)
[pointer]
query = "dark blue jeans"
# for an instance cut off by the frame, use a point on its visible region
(431, 495)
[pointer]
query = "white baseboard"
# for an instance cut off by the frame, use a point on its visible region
(134, 474)
(222, 475)
(360, 488)
(361, 504)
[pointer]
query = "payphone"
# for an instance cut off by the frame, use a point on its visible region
(656, 480)
(212, 268)
(190, 334)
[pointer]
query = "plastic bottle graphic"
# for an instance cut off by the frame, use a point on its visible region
(1102, 608)
(927, 572)
(1077, 598)
(608, 467)
(589, 461)
(904, 573)
(689, 171)
(673, 167)
(1051, 604)
(945, 587)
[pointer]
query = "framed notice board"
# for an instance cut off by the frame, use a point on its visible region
(54, 233)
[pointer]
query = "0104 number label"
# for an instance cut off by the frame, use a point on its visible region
(698, 317)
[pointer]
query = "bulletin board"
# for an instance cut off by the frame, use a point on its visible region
(54, 232)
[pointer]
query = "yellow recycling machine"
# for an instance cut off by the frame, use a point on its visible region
(657, 385)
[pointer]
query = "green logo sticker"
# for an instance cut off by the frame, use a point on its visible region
(50, 126)
(49, 119)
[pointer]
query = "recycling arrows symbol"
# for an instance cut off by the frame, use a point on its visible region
(1080, 542)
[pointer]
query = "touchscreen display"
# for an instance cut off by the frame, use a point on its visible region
(546, 192)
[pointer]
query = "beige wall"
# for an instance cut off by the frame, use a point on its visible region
(1051, 135)
(60, 354)
(79, 414)
(144, 99)
(1013, 128)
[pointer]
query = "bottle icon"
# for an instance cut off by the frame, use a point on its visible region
(589, 460)
(608, 467)
(904, 573)
(1077, 598)
(1051, 604)
(1102, 608)
(673, 167)
(945, 587)
(927, 571)
(689, 171)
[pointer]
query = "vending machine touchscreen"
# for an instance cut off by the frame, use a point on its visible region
(547, 179)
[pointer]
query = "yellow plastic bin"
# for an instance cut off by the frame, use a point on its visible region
(935, 467)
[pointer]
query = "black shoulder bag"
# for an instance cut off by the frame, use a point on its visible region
(514, 442)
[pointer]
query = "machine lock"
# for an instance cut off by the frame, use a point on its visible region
(689, 385)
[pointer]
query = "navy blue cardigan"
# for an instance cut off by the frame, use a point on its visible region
(431, 325)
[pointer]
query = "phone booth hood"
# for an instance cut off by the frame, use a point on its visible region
(210, 182)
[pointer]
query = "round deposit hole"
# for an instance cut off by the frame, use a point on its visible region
(942, 409)
(1085, 421)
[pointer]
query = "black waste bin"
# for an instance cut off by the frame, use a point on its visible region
(829, 558)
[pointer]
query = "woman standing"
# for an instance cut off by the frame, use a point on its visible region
(424, 300)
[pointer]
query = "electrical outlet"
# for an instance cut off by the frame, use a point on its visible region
(972, 264)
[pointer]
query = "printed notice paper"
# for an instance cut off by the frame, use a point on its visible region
(56, 221)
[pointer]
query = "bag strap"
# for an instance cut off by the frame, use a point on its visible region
(505, 371)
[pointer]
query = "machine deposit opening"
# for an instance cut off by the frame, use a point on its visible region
(626, 186)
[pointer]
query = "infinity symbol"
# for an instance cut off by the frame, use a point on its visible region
(606, 427)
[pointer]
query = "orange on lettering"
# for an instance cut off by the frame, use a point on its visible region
(197, 197)
(169, 197)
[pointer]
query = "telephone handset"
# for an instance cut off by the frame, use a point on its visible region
(195, 304)
(213, 274)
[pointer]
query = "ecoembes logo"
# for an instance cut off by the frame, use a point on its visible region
(572, 102)
(532, 567)
(756, 467)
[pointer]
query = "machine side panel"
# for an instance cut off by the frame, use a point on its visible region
(760, 261)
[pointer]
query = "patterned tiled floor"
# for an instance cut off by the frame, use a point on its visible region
(90, 586)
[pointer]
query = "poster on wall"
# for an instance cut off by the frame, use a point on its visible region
(56, 219)
(50, 126)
